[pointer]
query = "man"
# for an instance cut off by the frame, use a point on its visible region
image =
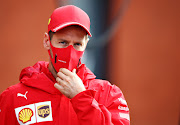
(63, 91)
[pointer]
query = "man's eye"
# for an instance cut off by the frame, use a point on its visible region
(78, 44)
(62, 42)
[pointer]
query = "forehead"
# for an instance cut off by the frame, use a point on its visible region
(72, 31)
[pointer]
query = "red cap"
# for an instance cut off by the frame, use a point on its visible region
(66, 16)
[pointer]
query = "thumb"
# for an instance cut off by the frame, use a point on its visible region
(74, 71)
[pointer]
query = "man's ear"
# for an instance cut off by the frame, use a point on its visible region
(46, 41)
(86, 40)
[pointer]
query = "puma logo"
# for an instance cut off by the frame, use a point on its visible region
(21, 95)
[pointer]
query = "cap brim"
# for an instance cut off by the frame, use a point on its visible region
(69, 24)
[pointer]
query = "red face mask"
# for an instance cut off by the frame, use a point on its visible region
(68, 57)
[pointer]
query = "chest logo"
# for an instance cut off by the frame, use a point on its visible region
(25, 115)
(43, 111)
(34, 113)
(21, 95)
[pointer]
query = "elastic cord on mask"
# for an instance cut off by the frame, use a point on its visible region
(79, 62)
(55, 60)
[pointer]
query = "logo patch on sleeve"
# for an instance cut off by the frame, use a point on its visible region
(33, 113)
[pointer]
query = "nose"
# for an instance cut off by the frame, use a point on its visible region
(70, 43)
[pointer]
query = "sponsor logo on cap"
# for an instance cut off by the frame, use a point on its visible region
(25, 115)
(49, 21)
(43, 111)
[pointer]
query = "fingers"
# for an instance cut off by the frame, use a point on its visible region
(62, 78)
(59, 87)
(59, 80)
(62, 90)
(61, 75)
(74, 71)
(68, 83)
(66, 72)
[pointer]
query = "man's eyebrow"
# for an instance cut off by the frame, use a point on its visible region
(79, 41)
(60, 39)
(65, 40)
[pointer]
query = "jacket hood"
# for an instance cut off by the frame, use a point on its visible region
(39, 77)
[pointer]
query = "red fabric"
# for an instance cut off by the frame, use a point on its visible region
(68, 57)
(101, 104)
(68, 15)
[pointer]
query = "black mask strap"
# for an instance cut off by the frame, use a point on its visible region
(79, 62)
(55, 58)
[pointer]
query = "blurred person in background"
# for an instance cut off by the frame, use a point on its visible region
(63, 91)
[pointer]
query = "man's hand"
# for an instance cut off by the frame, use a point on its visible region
(69, 83)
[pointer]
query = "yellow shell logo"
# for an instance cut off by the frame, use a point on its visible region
(49, 21)
(25, 115)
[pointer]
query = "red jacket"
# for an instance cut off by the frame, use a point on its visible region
(35, 100)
